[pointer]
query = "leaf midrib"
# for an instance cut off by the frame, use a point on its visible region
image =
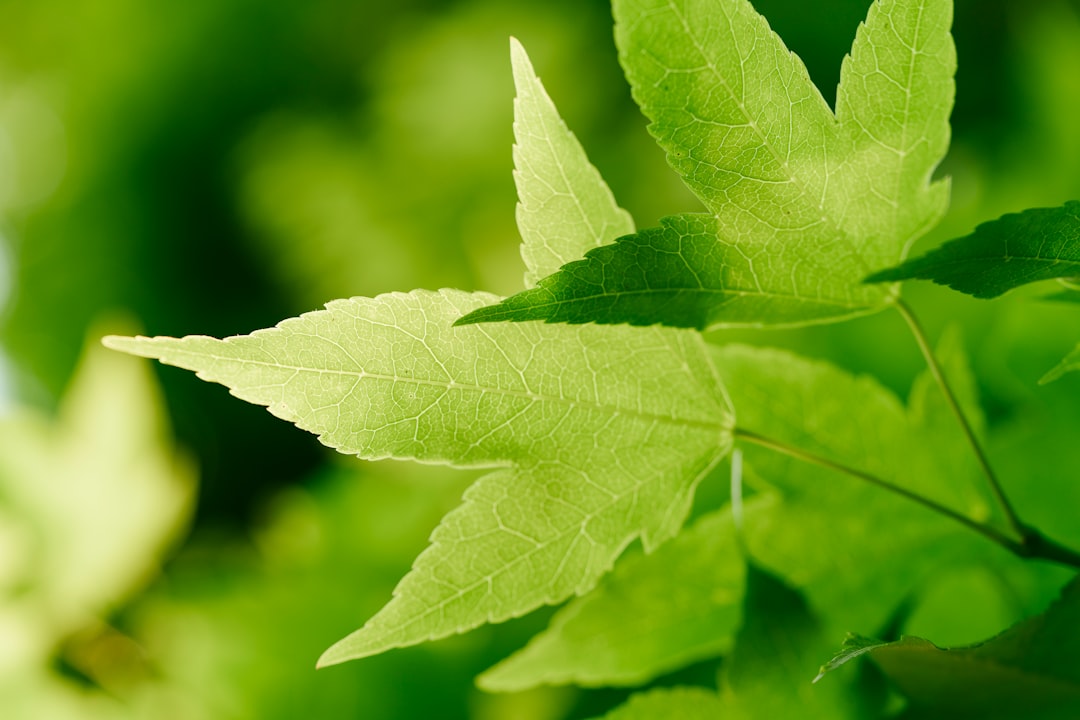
(615, 410)
(707, 291)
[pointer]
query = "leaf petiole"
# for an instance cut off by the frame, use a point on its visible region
(954, 405)
(1033, 544)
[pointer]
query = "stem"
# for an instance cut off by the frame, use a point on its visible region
(1026, 548)
(1037, 545)
(950, 397)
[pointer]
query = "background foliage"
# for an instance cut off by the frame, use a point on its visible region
(213, 167)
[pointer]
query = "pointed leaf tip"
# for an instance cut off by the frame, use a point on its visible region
(479, 398)
(116, 342)
(334, 655)
(517, 50)
(564, 206)
(130, 344)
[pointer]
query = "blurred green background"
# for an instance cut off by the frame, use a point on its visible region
(215, 166)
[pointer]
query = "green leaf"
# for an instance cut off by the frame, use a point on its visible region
(652, 614)
(854, 646)
(778, 624)
(89, 502)
(1003, 254)
(1071, 363)
(1030, 670)
(564, 207)
(778, 648)
(854, 550)
(683, 600)
(602, 437)
(682, 703)
(768, 675)
(679, 274)
(803, 203)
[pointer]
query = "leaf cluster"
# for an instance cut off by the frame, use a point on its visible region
(599, 423)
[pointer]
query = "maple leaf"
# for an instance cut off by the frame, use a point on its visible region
(89, 502)
(819, 529)
(802, 202)
(603, 438)
(602, 435)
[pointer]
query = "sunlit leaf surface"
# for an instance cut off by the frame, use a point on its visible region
(803, 202)
(603, 437)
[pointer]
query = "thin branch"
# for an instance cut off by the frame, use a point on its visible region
(799, 454)
(950, 397)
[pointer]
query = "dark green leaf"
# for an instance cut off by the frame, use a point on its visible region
(683, 274)
(1003, 254)
(1030, 670)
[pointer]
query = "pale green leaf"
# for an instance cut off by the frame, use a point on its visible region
(893, 103)
(89, 502)
(564, 206)
(855, 550)
(1071, 363)
(30, 693)
(681, 703)
(652, 614)
(1030, 670)
(602, 436)
(1001, 255)
(804, 203)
